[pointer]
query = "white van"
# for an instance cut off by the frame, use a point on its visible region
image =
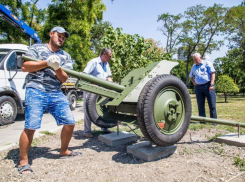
(12, 93)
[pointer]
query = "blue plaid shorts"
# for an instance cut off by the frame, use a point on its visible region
(37, 102)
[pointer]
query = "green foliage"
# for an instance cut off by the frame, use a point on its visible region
(191, 91)
(225, 85)
(232, 65)
(239, 162)
(218, 150)
(97, 33)
(215, 137)
(197, 126)
(235, 24)
(171, 28)
(196, 33)
(154, 52)
(180, 70)
(29, 13)
(200, 27)
(232, 129)
(202, 24)
(130, 51)
(47, 133)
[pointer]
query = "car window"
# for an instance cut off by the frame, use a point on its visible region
(11, 63)
(3, 53)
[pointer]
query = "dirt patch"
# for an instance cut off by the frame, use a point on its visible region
(197, 159)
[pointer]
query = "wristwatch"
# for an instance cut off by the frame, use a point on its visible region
(211, 85)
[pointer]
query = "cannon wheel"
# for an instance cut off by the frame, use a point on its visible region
(164, 110)
(99, 114)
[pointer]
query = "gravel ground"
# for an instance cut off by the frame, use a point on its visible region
(196, 159)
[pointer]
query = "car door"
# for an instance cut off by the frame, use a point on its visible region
(15, 76)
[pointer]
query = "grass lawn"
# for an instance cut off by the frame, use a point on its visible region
(232, 110)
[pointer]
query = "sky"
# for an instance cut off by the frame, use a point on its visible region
(140, 16)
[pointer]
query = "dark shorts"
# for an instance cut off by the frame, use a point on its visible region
(37, 102)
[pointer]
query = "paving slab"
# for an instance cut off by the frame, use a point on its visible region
(147, 152)
(232, 139)
(114, 139)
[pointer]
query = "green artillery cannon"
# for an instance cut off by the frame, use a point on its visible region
(159, 103)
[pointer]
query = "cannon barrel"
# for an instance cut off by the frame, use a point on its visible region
(86, 77)
(217, 121)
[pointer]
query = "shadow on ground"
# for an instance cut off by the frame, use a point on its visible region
(34, 153)
(93, 143)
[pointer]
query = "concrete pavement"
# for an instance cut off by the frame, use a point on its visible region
(10, 134)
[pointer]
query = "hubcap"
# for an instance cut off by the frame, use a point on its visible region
(169, 110)
(6, 110)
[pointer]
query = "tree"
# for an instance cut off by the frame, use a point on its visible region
(180, 71)
(97, 32)
(231, 65)
(196, 33)
(130, 52)
(235, 24)
(199, 29)
(225, 85)
(171, 28)
(29, 13)
(154, 52)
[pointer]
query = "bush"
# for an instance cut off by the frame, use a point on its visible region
(191, 91)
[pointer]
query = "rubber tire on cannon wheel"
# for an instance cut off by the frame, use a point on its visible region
(72, 97)
(8, 110)
(164, 110)
(98, 114)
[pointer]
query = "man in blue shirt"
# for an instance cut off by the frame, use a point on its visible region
(100, 68)
(202, 76)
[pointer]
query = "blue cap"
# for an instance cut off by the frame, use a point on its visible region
(60, 30)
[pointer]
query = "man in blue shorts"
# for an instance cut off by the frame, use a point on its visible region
(43, 93)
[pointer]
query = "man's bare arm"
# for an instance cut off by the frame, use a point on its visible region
(109, 79)
(33, 66)
(193, 81)
(61, 75)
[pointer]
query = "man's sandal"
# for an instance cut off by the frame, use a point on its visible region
(25, 169)
(72, 154)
